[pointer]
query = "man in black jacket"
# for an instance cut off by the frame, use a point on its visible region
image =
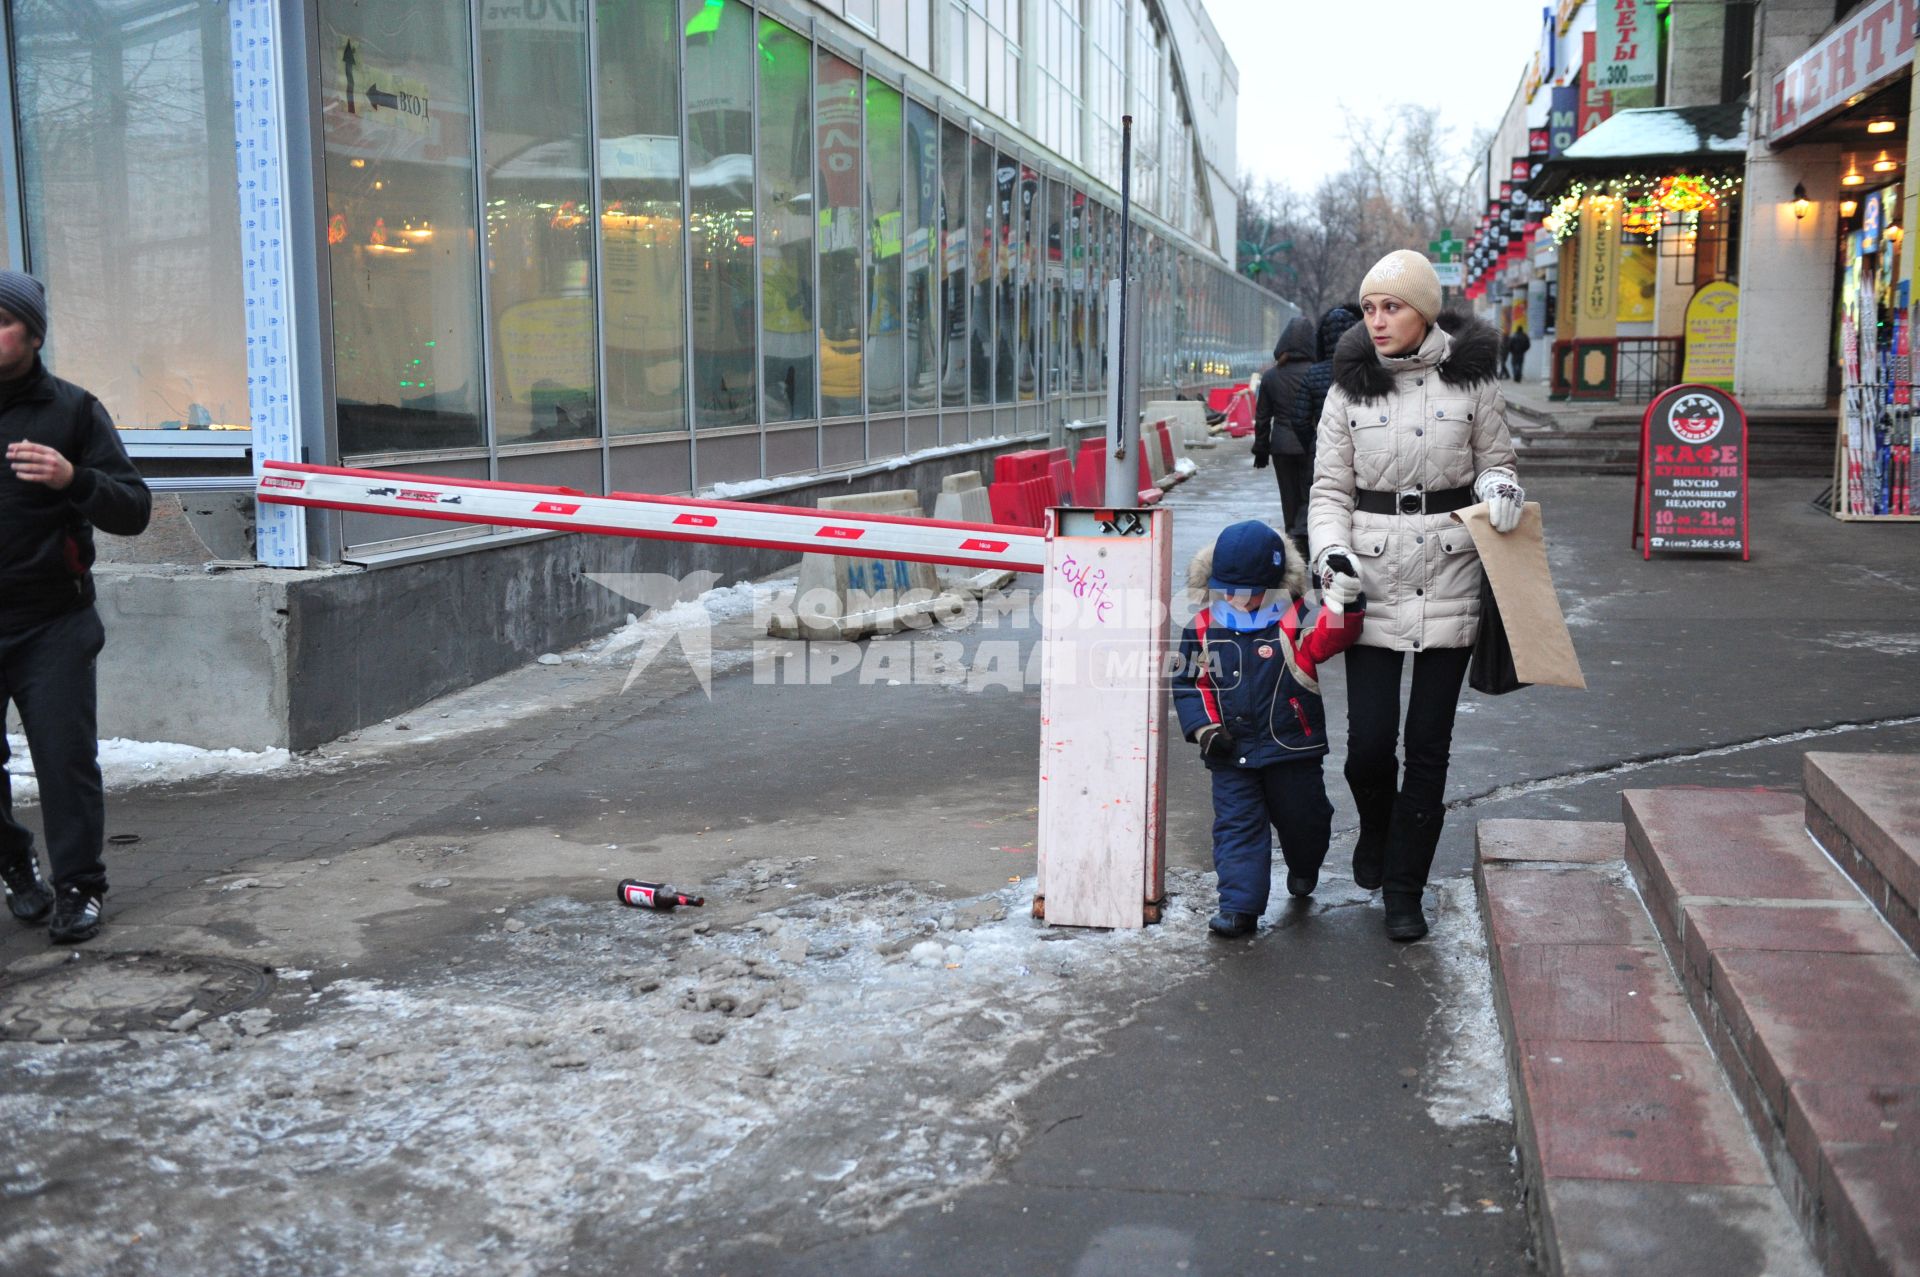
(1518, 344)
(65, 474)
(1276, 434)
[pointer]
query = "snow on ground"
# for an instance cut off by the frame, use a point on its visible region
(1469, 1077)
(127, 764)
(573, 1085)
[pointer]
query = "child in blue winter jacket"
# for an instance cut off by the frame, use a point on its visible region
(1248, 695)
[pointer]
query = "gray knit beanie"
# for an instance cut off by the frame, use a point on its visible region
(1409, 276)
(25, 298)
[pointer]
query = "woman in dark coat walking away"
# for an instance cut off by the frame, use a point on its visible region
(1278, 433)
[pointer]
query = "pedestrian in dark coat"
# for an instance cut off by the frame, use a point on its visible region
(1278, 432)
(1247, 691)
(1319, 378)
(1518, 344)
(66, 474)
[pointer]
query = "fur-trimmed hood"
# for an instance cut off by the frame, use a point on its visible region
(1201, 568)
(1474, 358)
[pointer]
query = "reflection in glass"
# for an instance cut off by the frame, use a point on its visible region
(985, 263)
(539, 251)
(837, 131)
(126, 138)
(923, 231)
(1009, 269)
(640, 221)
(953, 257)
(886, 326)
(1078, 289)
(720, 225)
(1029, 283)
(400, 208)
(1059, 247)
(786, 213)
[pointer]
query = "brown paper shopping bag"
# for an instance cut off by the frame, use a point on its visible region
(1516, 564)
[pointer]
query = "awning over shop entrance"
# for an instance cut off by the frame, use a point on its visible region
(1652, 139)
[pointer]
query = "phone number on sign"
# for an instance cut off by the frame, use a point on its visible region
(1696, 543)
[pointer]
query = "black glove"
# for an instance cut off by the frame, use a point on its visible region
(1216, 742)
(1259, 456)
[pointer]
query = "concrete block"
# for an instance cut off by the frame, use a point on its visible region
(193, 658)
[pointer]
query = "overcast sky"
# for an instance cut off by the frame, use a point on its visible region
(1299, 63)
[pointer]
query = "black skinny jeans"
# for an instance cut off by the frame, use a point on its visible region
(1373, 719)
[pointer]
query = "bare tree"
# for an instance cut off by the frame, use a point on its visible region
(1405, 182)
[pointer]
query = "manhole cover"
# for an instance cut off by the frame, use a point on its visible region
(89, 996)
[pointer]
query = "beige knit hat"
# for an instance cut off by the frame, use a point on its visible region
(1409, 276)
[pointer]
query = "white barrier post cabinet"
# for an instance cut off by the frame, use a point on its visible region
(1103, 714)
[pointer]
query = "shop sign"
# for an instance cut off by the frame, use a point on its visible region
(1872, 219)
(1596, 101)
(1569, 10)
(1448, 273)
(1870, 46)
(1599, 266)
(1638, 272)
(565, 16)
(1629, 34)
(1713, 329)
(1563, 120)
(1691, 492)
(380, 96)
(547, 346)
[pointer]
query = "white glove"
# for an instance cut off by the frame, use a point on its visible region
(1341, 591)
(1504, 499)
(1333, 562)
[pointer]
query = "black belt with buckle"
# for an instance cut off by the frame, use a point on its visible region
(1413, 501)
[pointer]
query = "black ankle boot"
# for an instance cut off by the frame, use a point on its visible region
(1405, 920)
(1410, 846)
(1375, 803)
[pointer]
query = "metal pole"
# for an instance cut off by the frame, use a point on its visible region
(1123, 423)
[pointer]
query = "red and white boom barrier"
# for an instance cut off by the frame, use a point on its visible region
(1108, 575)
(520, 505)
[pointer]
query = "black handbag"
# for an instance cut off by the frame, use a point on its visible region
(1490, 670)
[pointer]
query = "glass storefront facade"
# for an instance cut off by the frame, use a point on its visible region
(686, 242)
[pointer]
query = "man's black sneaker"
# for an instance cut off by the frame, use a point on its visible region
(1232, 925)
(28, 895)
(1300, 886)
(76, 916)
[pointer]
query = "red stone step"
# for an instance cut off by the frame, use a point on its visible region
(1812, 1005)
(1635, 1154)
(1865, 810)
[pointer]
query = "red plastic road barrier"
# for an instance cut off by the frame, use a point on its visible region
(1240, 414)
(1165, 433)
(1218, 396)
(1090, 474)
(519, 505)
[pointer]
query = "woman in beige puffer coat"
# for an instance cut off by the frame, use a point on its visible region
(1414, 429)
